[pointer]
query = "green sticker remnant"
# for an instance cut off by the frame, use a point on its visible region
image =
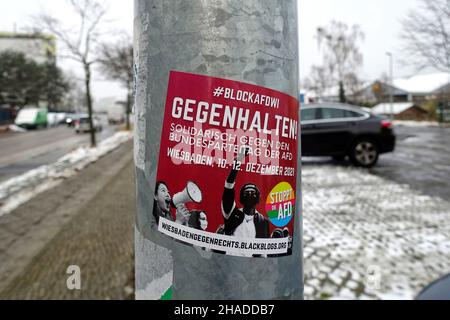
(168, 295)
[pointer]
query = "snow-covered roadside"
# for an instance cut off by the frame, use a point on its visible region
(21, 189)
(367, 237)
(417, 124)
(14, 128)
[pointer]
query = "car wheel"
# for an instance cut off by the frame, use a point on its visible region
(365, 153)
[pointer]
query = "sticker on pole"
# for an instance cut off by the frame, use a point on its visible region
(227, 170)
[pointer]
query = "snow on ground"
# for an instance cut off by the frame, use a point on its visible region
(365, 237)
(21, 189)
(370, 238)
(417, 124)
(14, 128)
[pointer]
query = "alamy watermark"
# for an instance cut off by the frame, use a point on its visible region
(74, 280)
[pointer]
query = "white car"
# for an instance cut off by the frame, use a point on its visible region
(82, 125)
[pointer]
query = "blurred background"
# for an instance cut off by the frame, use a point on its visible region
(375, 87)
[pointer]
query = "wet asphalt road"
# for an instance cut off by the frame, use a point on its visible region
(421, 160)
(21, 152)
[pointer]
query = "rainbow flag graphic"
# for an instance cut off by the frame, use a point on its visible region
(280, 205)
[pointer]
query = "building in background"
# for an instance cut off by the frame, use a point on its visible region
(7, 115)
(423, 88)
(379, 92)
(401, 111)
(419, 90)
(38, 47)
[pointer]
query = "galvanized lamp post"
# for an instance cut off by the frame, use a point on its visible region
(255, 42)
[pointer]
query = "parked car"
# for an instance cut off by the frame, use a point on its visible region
(341, 130)
(53, 119)
(438, 290)
(116, 114)
(82, 125)
(61, 117)
(72, 118)
(32, 118)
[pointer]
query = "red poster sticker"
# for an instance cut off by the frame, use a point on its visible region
(228, 165)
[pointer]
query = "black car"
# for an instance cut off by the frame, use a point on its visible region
(439, 290)
(341, 130)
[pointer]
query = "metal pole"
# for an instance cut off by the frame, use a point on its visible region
(391, 91)
(254, 41)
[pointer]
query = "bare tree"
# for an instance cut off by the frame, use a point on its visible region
(341, 57)
(353, 86)
(117, 64)
(76, 97)
(426, 35)
(79, 42)
(318, 81)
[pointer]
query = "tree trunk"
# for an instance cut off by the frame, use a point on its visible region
(128, 108)
(87, 70)
(342, 98)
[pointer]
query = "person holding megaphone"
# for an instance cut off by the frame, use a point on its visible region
(164, 203)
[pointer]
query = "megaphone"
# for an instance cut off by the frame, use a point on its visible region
(191, 193)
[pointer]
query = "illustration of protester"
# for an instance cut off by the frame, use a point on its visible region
(163, 203)
(245, 222)
(281, 234)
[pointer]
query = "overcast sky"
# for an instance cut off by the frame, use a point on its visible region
(380, 20)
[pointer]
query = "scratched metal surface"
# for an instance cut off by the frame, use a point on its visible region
(253, 41)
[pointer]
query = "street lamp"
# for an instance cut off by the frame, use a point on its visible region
(197, 273)
(391, 76)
